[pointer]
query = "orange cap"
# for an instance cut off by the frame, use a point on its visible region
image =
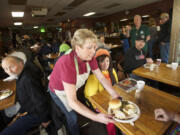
(102, 52)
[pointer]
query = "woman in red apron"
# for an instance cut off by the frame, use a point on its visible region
(70, 73)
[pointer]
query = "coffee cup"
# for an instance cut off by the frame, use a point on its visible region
(174, 65)
(140, 85)
(158, 61)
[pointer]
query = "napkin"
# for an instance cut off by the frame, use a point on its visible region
(10, 78)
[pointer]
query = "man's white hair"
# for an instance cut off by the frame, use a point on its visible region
(20, 55)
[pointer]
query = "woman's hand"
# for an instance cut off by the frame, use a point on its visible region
(162, 115)
(115, 95)
(104, 118)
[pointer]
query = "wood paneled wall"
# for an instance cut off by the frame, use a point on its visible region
(154, 10)
(175, 33)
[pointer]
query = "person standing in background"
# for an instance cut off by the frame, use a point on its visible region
(139, 30)
(164, 37)
(153, 34)
(124, 39)
(101, 43)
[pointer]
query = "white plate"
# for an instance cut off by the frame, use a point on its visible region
(148, 66)
(34, 46)
(168, 65)
(130, 120)
(10, 92)
(48, 55)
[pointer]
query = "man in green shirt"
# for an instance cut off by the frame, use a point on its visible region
(139, 30)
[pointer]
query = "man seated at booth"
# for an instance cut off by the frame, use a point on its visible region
(135, 57)
(30, 95)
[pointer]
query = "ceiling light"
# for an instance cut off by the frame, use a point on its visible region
(89, 14)
(145, 16)
(35, 27)
(122, 20)
(17, 14)
(18, 23)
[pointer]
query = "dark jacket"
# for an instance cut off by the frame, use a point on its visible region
(134, 59)
(165, 32)
(30, 93)
(45, 49)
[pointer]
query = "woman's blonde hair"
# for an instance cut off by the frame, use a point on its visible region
(81, 35)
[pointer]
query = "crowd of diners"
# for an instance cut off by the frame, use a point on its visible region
(84, 61)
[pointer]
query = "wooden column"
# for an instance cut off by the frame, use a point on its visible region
(1, 48)
(175, 33)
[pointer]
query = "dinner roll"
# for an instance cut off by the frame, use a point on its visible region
(115, 104)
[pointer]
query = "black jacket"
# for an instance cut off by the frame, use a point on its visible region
(165, 31)
(30, 93)
(133, 59)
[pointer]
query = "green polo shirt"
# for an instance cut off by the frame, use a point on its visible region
(142, 32)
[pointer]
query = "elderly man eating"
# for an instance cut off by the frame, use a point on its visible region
(29, 92)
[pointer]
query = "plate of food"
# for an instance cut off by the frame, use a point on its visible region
(169, 65)
(149, 65)
(124, 111)
(5, 93)
(49, 55)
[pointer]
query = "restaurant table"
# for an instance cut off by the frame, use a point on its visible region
(150, 99)
(163, 74)
(9, 101)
